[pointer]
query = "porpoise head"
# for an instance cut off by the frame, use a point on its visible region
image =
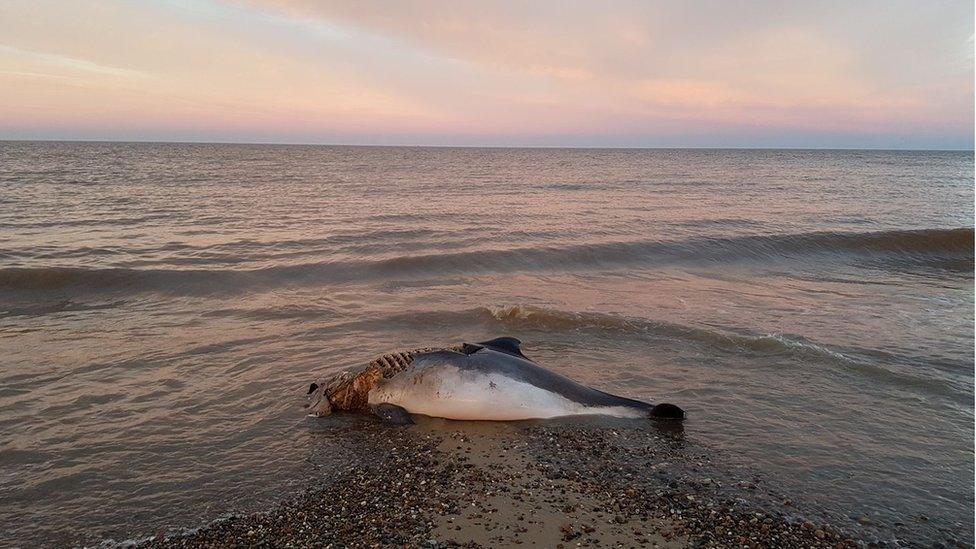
(318, 404)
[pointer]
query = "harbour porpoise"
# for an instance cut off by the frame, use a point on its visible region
(492, 380)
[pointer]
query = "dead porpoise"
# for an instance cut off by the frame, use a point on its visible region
(491, 380)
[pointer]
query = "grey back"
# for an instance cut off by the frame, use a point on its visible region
(490, 361)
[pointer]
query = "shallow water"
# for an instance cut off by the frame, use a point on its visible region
(163, 308)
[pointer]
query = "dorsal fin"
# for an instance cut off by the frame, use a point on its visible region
(507, 345)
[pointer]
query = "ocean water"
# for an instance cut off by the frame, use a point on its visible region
(164, 306)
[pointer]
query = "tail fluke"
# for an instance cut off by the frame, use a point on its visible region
(667, 411)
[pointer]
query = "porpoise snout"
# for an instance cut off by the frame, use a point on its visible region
(317, 404)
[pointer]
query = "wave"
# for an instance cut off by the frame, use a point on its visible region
(62, 306)
(526, 319)
(900, 246)
(863, 362)
(771, 351)
(941, 248)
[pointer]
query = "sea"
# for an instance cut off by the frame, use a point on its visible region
(164, 307)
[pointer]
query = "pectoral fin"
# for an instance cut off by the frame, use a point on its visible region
(393, 414)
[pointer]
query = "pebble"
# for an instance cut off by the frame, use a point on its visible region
(377, 504)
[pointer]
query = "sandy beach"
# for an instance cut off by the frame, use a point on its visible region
(544, 484)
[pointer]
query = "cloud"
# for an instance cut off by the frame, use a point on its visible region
(872, 66)
(537, 69)
(62, 63)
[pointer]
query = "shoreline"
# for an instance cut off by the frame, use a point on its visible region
(473, 484)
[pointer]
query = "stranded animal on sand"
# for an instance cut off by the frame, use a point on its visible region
(491, 380)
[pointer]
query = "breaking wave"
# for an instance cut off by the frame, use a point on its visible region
(950, 249)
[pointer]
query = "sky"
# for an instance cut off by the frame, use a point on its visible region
(824, 74)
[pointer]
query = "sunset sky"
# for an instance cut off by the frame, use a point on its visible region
(884, 74)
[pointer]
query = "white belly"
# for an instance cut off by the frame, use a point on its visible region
(442, 390)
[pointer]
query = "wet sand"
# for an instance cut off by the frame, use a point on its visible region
(595, 483)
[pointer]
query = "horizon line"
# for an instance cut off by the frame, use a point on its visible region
(415, 146)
